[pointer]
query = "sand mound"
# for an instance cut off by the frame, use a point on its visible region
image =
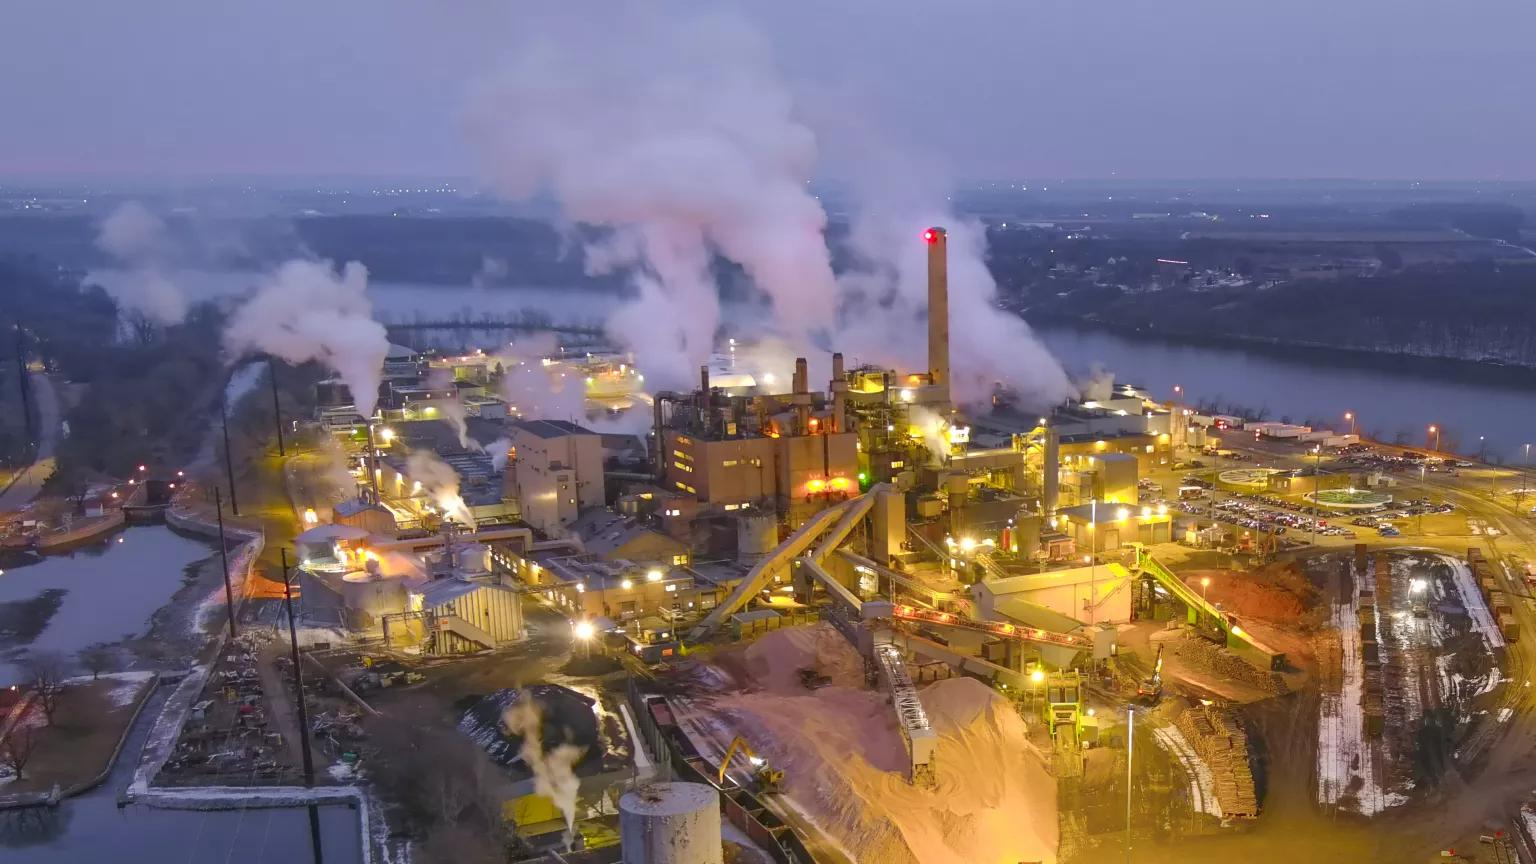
(774, 661)
(844, 761)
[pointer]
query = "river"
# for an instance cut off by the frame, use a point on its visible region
(92, 827)
(1388, 398)
(104, 593)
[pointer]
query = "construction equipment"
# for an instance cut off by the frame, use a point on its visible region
(1150, 688)
(811, 679)
(768, 779)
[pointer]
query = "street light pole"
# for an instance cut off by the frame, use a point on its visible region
(1435, 432)
(1317, 479)
(1525, 477)
(1130, 751)
(1350, 416)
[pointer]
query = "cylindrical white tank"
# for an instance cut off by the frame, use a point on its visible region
(756, 536)
(670, 823)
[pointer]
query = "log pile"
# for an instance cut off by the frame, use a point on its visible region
(1219, 738)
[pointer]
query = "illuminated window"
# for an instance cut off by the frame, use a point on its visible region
(1149, 448)
(729, 463)
(899, 463)
(733, 507)
(680, 560)
(673, 512)
(681, 466)
(755, 463)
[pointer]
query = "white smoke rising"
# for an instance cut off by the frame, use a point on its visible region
(498, 450)
(441, 483)
(554, 773)
(138, 239)
(452, 409)
(675, 132)
(307, 311)
(886, 292)
(1100, 384)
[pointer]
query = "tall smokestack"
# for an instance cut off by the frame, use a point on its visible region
(938, 305)
(802, 397)
(839, 394)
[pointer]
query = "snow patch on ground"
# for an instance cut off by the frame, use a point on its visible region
(1346, 773)
(1472, 600)
(1202, 786)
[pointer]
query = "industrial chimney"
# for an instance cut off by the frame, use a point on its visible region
(938, 306)
(802, 396)
(839, 387)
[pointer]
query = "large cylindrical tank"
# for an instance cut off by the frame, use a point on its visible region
(670, 823)
(374, 595)
(756, 536)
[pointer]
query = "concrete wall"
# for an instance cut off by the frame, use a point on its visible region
(557, 478)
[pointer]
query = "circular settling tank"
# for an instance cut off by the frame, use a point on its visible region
(670, 823)
(1247, 479)
(1349, 499)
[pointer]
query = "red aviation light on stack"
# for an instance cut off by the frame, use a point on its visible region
(930, 236)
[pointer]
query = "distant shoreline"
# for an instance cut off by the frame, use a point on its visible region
(1322, 355)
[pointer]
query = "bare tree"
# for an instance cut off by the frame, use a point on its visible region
(96, 660)
(436, 780)
(16, 749)
(45, 675)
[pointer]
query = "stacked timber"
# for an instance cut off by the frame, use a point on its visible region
(1222, 743)
(1330, 659)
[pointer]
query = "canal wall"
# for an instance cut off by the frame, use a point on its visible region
(82, 531)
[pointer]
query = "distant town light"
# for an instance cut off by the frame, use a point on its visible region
(653, 576)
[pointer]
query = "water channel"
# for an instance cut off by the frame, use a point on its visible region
(106, 592)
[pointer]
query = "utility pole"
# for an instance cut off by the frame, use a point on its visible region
(229, 462)
(298, 675)
(24, 383)
(229, 593)
(277, 412)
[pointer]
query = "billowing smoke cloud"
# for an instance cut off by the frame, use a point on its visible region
(1100, 384)
(676, 133)
(138, 238)
(307, 311)
(536, 394)
(498, 450)
(554, 773)
(441, 483)
(885, 297)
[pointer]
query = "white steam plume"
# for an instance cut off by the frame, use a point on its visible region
(307, 311)
(138, 238)
(554, 773)
(453, 409)
(676, 132)
(886, 291)
(1100, 384)
(499, 451)
(441, 483)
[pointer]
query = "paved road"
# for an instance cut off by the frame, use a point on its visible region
(30, 481)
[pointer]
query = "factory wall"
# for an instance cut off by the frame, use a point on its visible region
(556, 478)
(492, 608)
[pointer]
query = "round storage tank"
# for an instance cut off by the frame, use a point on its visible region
(373, 595)
(756, 536)
(670, 823)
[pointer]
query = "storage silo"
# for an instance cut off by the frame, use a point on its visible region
(756, 535)
(670, 823)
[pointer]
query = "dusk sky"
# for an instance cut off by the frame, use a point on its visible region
(1408, 89)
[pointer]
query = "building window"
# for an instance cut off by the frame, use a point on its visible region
(685, 487)
(683, 466)
(680, 561)
(681, 455)
(755, 463)
(1149, 448)
(672, 512)
(730, 463)
(898, 463)
(729, 507)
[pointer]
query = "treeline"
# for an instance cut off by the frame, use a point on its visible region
(1470, 311)
(138, 387)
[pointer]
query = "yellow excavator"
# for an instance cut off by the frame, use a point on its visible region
(768, 779)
